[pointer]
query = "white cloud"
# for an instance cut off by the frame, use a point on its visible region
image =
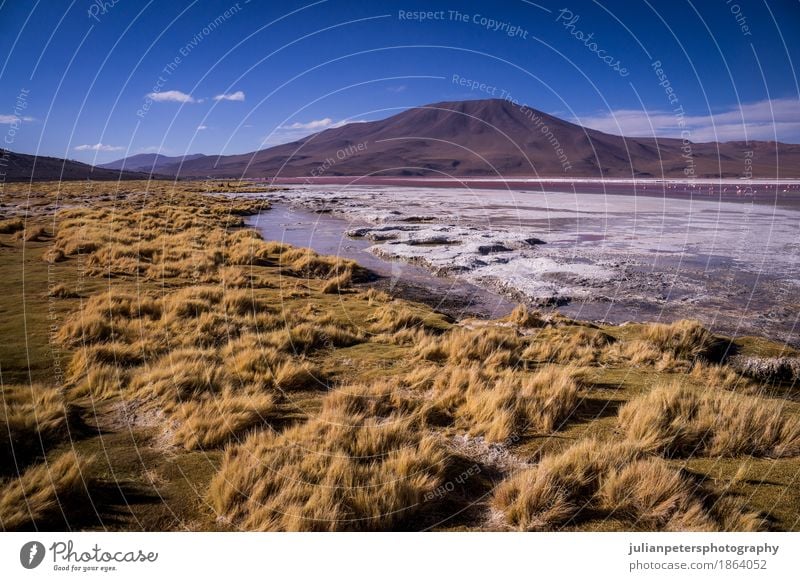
(171, 96)
(776, 119)
(98, 147)
(237, 96)
(297, 130)
(202, 127)
(312, 125)
(11, 119)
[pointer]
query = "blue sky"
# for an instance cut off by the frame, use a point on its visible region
(95, 81)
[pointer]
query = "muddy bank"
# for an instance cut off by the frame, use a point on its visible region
(327, 235)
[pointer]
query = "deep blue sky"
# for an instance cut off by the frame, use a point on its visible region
(83, 79)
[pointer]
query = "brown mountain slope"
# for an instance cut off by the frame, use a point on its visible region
(494, 137)
(21, 167)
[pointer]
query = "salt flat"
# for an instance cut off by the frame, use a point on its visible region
(733, 265)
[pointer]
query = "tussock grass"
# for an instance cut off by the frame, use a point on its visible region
(337, 472)
(683, 339)
(33, 418)
(211, 422)
(11, 226)
(675, 420)
(492, 347)
(522, 317)
(615, 479)
(43, 491)
(568, 345)
(499, 406)
(293, 376)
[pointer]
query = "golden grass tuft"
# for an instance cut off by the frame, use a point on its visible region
(337, 472)
(618, 481)
(11, 226)
(32, 419)
(43, 491)
(675, 420)
(505, 405)
(683, 339)
(213, 421)
(522, 317)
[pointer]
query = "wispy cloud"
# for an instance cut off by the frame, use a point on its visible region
(11, 119)
(98, 147)
(237, 96)
(775, 119)
(171, 96)
(313, 125)
(202, 127)
(297, 130)
(397, 88)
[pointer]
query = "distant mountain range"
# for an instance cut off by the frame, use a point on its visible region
(491, 137)
(21, 167)
(149, 162)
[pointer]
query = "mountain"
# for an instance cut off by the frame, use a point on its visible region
(148, 162)
(20, 167)
(494, 137)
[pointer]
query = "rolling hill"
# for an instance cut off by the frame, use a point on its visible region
(148, 162)
(494, 137)
(21, 167)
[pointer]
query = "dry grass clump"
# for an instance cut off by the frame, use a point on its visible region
(554, 492)
(499, 406)
(61, 291)
(678, 421)
(336, 472)
(568, 346)
(304, 262)
(294, 376)
(493, 347)
(213, 421)
(178, 375)
(683, 339)
(43, 491)
(610, 479)
(719, 376)
(651, 495)
(522, 317)
(11, 226)
(673, 347)
(381, 399)
(32, 419)
(395, 316)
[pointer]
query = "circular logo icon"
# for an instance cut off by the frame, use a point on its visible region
(31, 554)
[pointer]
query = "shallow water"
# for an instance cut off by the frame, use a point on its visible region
(326, 235)
(733, 265)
